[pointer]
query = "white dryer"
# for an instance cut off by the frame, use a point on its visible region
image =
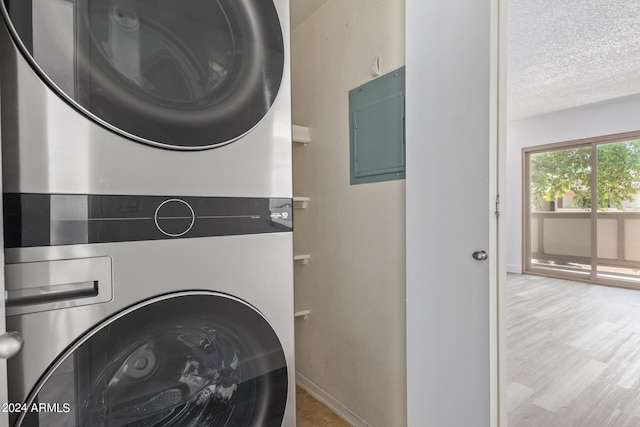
(128, 97)
(148, 218)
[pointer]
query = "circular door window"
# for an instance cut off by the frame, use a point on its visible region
(187, 74)
(191, 359)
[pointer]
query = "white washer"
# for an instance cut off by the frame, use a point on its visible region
(147, 200)
(180, 338)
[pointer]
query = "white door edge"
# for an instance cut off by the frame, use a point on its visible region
(497, 169)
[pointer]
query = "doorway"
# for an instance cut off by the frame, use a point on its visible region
(567, 82)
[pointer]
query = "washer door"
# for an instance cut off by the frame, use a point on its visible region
(190, 359)
(186, 74)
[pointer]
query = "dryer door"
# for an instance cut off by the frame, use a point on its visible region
(190, 359)
(186, 74)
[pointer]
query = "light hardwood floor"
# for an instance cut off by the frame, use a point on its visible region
(573, 354)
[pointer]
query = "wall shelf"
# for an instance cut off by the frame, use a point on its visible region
(304, 314)
(301, 134)
(301, 202)
(302, 259)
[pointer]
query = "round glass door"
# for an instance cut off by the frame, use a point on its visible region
(188, 74)
(192, 359)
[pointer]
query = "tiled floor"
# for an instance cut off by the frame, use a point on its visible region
(311, 413)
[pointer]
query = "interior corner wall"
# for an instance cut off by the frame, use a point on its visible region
(352, 348)
(595, 120)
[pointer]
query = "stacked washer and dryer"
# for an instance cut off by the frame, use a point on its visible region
(148, 212)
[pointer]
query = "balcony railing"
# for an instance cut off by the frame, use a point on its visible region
(565, 237)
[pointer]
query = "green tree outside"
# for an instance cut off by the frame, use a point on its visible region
(554, 173)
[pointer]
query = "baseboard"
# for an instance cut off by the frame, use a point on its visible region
(314, 390)
(514, 268)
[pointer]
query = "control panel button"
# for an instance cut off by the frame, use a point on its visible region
(174, 217)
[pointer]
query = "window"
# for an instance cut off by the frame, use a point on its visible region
(582, 210)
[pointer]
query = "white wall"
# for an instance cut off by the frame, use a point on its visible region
(352, 348)
(590, 121)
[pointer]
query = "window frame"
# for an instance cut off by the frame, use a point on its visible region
(593, 275)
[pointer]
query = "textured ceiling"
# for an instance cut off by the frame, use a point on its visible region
(302, 9)
(569, 53)
(560, 53)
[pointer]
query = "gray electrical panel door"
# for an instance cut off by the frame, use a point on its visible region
(376, 119)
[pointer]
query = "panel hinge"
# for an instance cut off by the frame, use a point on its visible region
(497, 212)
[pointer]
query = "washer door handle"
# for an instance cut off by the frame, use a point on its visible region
(10, 344)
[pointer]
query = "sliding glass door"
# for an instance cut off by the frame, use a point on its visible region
(582, 210)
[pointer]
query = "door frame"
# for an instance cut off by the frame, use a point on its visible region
(497, 171)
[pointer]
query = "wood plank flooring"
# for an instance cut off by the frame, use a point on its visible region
(573, 354)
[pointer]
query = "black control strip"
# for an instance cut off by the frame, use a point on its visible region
(66, 219)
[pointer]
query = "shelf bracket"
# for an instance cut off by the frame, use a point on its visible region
(300, 202)
(302, 259)
(303, 313)
(301, 134)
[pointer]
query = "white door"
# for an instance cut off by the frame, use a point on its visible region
(452, 125)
